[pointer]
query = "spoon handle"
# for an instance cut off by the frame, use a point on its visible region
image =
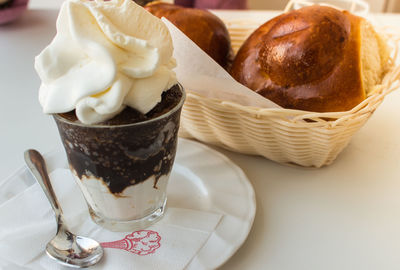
(37, 166)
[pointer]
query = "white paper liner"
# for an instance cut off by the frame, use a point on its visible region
(199, 73)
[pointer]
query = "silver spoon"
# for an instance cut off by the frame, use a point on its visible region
(67, 248)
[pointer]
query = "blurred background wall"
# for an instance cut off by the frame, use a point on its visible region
(376, 5)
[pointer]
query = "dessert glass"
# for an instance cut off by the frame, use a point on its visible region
(123, 170)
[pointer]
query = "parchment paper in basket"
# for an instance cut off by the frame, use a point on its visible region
(199, 73)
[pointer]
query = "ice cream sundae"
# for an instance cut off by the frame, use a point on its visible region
(108, 80)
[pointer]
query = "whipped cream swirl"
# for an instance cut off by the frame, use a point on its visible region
(106, 55)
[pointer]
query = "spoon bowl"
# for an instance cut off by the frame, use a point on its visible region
(83, 253)
(67, 248)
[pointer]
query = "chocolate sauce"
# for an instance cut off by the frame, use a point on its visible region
(126, 155)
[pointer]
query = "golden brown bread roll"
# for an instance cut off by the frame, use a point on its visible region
(316, 59)
(201, 26)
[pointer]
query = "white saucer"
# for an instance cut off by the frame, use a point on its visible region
(207, 180)
(202, 179)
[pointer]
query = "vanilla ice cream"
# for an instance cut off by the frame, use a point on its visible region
(106, 55)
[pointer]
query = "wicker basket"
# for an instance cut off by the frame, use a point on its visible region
(282, 135)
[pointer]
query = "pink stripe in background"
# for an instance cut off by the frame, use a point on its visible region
(213, 4)
(12, 12)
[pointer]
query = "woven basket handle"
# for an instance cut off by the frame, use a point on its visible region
(359, 7)
(391, 82)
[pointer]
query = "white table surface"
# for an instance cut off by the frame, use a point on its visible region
(344, 216)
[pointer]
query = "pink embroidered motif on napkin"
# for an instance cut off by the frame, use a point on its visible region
(143, 242)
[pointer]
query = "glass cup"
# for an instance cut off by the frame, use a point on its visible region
(123, 170)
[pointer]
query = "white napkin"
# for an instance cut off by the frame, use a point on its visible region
(199, 73)
(27, 223)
